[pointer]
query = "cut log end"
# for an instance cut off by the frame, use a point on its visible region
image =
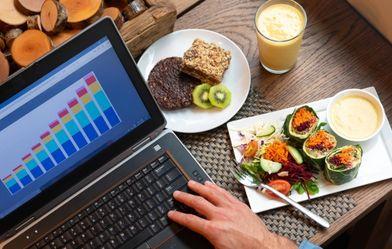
(4, 68)
(115, 14)
(3, 45)
(13, 66)
(29, 7)
(30, 46)
(11, 35)
(82, 11)
(133, 9)
(10, 17)
(34, 22)
(53, 16)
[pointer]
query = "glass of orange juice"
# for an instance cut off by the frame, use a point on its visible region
(280, 26)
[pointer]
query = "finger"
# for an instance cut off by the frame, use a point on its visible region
(229, 197)
(189, 221)
(206, 192)
(198, 203)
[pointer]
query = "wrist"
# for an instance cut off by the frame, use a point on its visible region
(286, 243)
(274, 241)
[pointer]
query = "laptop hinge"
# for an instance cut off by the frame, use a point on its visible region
(141, 144)
(23, 224)
(19, 227)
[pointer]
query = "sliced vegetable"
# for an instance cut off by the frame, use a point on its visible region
(321, 125)
(300, 124)
(269, 166)
(251, 149)
(312, 187)
(251, 168)
(280, 185)
(265, 131)
(294, 152)
(269, 157)
(275, 150)
(317, 146)
(298, 187)
(342, 164)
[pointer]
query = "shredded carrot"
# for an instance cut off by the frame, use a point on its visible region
(320, 140)
(345, 156)
(303, 116)
(277, 152)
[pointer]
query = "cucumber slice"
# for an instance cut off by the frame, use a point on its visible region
(269, 166)
(265, 131)
(294, 152)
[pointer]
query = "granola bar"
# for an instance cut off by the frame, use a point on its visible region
(206, 61)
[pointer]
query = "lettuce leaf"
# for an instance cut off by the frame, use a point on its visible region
(312, 187)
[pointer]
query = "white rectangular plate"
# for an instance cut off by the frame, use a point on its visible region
(376, 164)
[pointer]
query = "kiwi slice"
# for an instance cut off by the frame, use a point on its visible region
(220, 96)
(201, 96)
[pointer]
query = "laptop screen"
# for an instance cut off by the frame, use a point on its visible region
(60, 121)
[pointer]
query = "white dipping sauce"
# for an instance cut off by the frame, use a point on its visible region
(355, 117)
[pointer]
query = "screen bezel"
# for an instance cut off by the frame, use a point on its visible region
(55, 58)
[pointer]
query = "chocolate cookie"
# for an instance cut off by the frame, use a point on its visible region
(171, 88)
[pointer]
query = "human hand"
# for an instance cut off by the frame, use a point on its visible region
(227, 223)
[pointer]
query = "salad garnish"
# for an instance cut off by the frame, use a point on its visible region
(290, 155)
(276, 160)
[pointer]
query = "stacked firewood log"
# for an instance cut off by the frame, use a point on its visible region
(31, 28)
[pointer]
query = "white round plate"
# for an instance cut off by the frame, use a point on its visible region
(237, 78)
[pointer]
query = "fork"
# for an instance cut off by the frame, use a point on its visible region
(250, 181)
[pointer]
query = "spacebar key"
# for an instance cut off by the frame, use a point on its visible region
(138, 239)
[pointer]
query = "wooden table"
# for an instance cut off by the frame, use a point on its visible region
(340, 50)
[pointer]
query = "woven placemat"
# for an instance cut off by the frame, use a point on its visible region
(214, 152)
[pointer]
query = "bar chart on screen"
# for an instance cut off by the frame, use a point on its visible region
(59, 128)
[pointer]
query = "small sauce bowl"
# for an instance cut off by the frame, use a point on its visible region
(360, 94)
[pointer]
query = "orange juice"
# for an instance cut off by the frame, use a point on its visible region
(280, 26)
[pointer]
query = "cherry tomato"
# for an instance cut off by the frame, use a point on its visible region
(280, 185)
(251, 149)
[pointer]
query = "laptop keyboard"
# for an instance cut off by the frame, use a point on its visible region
(127, 215)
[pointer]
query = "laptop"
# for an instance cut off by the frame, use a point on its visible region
(85, 159)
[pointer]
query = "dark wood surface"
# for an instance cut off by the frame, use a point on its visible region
(183, 6)
(340, 50)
